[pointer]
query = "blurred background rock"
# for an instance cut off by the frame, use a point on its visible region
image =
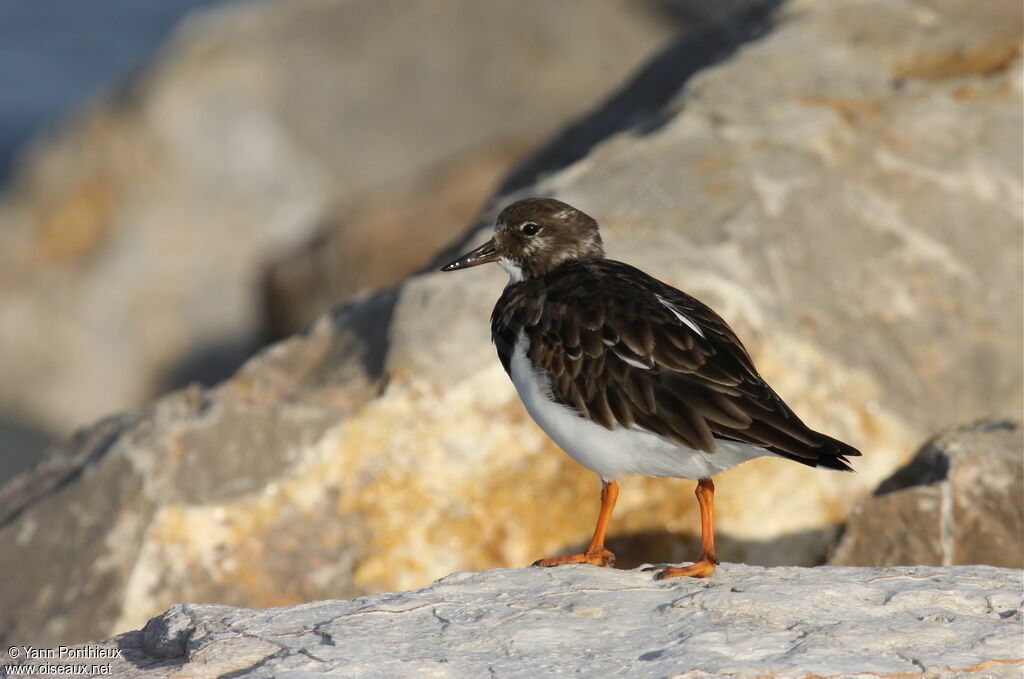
(271, 160)
(842, 182)
(52, 56)
(963, 494)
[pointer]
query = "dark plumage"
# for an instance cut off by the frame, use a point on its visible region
(694, 389)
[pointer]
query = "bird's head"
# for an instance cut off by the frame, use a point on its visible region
(535, 236)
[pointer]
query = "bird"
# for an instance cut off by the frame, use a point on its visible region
(627, 374)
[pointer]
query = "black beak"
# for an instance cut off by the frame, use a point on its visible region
(488, 252)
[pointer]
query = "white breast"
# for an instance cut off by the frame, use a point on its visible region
(621, 451)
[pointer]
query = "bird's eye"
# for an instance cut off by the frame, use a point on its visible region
(530, 229)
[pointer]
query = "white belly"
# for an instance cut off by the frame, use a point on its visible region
(621, 451)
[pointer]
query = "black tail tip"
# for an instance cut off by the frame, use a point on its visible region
(833, 455)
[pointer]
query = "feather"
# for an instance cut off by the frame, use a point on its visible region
(609, 339)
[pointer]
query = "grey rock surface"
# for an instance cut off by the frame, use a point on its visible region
(133, 239)
(959, 501)
(812, 184)
(584, 621)
(102, 495)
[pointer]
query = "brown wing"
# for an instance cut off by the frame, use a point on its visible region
(639, 353)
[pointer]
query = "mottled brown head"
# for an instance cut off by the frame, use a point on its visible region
(535, 236)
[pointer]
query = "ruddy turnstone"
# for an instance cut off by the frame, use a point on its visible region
(627, 374)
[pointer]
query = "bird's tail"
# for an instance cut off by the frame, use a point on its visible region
(831, 454)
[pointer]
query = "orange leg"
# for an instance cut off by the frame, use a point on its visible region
(596, 554)
(704, 566)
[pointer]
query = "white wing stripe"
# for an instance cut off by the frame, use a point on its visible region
(633, 362)
(681, 316)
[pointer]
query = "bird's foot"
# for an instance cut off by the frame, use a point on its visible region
(702, 568)
(600, 557)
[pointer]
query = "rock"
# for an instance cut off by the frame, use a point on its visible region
(367, 246)
(584, 621)
(133, 240)
(957, 502)
(105, 493)
(166, 636)
(817, 203)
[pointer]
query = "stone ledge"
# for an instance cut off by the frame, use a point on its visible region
(745, 621)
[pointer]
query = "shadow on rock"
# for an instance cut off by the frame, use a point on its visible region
(21, 446)
(802, 548)
(645, 103)
(208, 365)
